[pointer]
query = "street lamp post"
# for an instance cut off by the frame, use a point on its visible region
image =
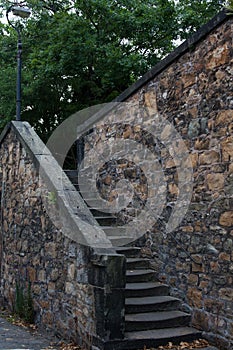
(22, 12)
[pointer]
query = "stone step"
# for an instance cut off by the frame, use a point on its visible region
(137, 263)
(129, 252)
(120, 240)
(152, 303)
(114, 231)
(100, 214)
(156, 320)
(94, 203)
(154, 338)
(142, 275)
(106, 220)
(163, 336)
(144, 289)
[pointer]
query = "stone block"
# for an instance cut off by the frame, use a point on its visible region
(209, 157)
(194, 297)
(226, 294)
(226, 218)
(215, 182)
(227, 149)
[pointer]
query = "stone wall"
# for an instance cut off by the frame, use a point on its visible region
(68, 280)
(192, 90)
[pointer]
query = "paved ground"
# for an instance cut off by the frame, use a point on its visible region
(19, 338)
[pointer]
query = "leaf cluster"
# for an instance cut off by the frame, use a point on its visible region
(77, 53)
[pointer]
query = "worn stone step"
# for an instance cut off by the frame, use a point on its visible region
(144, 289)
(114, 231)
(94, 203)
(106, 220)
(152, 303)
(98, 213)
(129, 252)
(158, 337)
(154, 338)
(142, 275)
(156, 320)
(137, 263)
(120, 240)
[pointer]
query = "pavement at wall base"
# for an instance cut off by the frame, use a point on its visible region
(18, 335)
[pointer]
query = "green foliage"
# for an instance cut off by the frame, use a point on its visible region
(192, 14)
(229, 6)
(80, 53)
(23, 303)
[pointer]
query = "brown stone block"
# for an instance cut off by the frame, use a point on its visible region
(71, 271)
(204, 285)
(188, 229)
(209, 157)
(47, 318)
(173, 281)
(201, 320)
(194, 159)
(151, 101)
(215, 182)
(107, 180)
(170, 164)
(224, 117)
(213, 305)
(51, 287)
(227, 148)
(226, 219)
(44, 304)
(36, 289)
(50, 249)
(31, 274)
(224, 257)
(194, 297)
(173, 189)
(193, 279)
(42, 276)
(226, 294)
(188, 79)
(127, 133)
(218, 57)
(202, 144)
(197, 267)
(214, 265)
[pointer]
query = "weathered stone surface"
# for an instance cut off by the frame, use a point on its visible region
(194, 93)
(226, 219)
(215, 182)
(58, 268)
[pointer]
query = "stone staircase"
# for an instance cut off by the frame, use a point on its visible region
(152, 317)
(108, 222)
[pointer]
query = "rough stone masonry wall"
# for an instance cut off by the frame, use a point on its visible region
(34, 250)
(195, 94)
(77, 290)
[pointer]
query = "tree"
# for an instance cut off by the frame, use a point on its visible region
(80, 53)
(192, 14)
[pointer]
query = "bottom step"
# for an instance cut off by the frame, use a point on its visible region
(153, 338)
